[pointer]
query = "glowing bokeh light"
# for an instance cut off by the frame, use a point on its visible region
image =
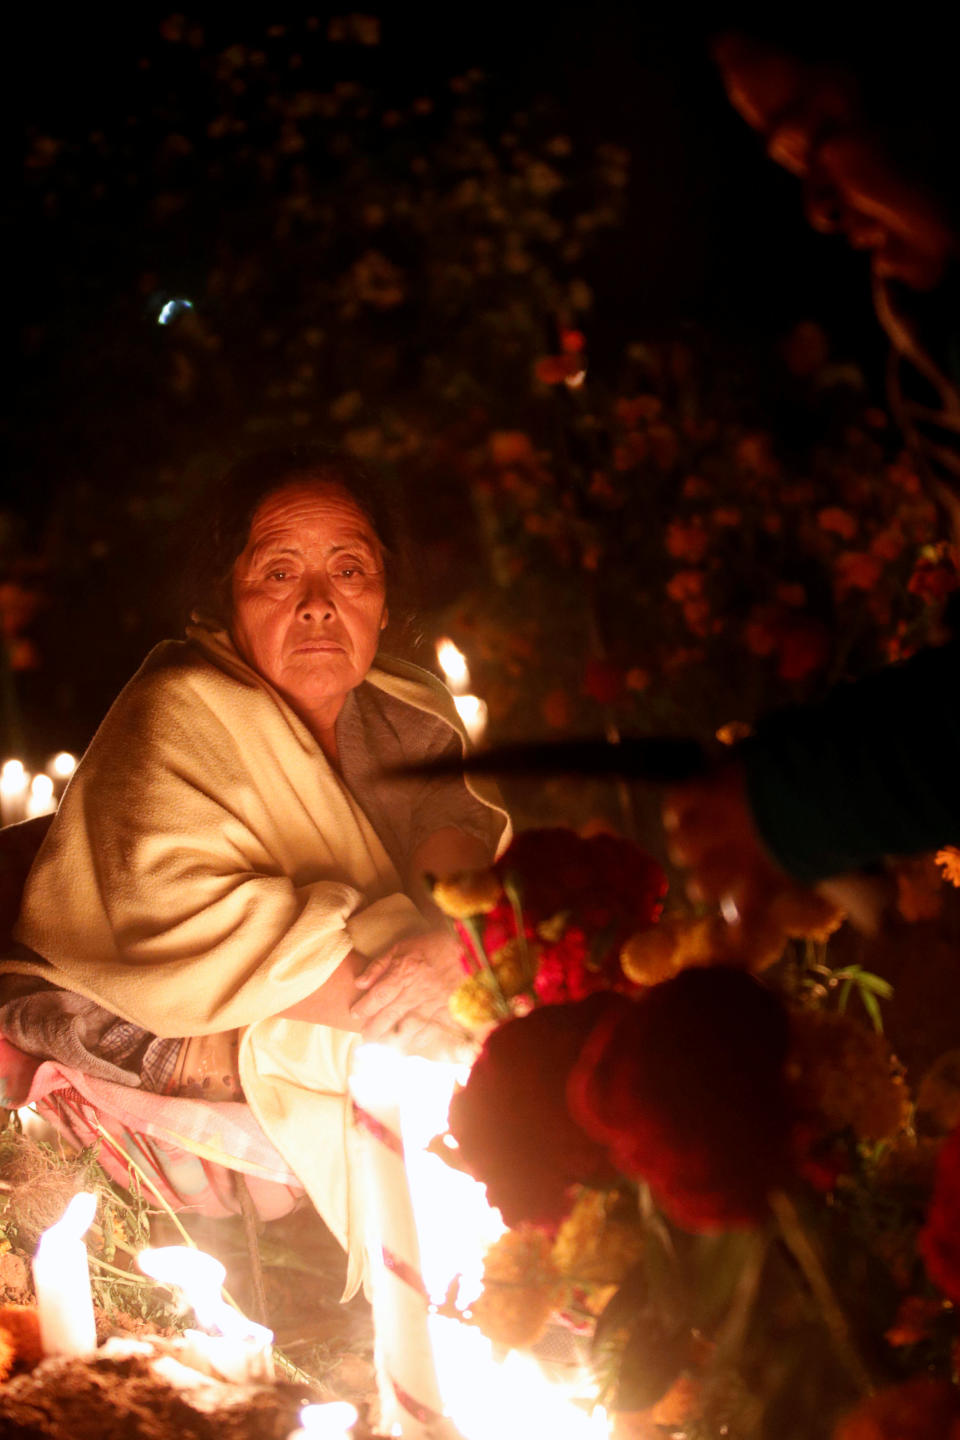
(453, 663)
(172, 309)
(63, 764)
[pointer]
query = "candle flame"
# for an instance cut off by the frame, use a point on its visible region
(328, 1422)
(473, 712)
(63, 764)
(486, 1399)
(199, 1277)
(13, 778)
(453, 663)
(74, 1222)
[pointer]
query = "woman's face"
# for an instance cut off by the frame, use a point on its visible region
(309, 596)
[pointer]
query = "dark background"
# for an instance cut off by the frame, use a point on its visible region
(714, 242)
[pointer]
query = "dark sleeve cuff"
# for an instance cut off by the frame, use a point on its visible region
(873, 771)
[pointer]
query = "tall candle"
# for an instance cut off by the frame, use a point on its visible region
(410, 1401)
(14, 782)
(61, 1278)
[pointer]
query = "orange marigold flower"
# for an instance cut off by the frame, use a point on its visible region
(687, 541)
(856, 570)
(837, 522)
(726, 517)
(631, 410)
(888, 544)
(694, 488)
(20, 1344)
(685, 585)
(600, 1240)
(554, 369)
(637, 679)
(520, 1288)
(804, 914)
(696, 613)
(915, 1320)
(759, 635)
(754, 452)
(791, 593)
(677, 942)
(511, 447)
(949, 861)
(733, 732)
(468, 892)
(843, 1074)
(921, 1409)
(572, 342)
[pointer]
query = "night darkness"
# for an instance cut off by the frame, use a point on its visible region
(713, 242)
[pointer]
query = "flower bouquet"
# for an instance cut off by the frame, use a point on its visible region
(718, 1175)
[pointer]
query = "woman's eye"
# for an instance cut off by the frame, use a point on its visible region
(278, 574)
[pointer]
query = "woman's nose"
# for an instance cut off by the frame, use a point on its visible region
(316, 600)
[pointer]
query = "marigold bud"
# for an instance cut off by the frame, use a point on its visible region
(468, 892)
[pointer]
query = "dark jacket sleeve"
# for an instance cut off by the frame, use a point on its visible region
(872, 771)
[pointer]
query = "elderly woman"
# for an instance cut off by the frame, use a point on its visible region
(231, 887)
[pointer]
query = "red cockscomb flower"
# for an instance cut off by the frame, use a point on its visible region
(685, 1085)
(511, 1119)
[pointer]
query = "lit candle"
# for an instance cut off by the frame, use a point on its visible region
(241, 1351)
(410, 1402)
(40, 800)
(326, 1422)
(14, 782)
(61, 766)
(61, 1278)
(473, 712)
(453, 663)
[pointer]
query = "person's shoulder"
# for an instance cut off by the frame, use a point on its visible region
(410, 684)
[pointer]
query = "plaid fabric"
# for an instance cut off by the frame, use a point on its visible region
(158, 1060)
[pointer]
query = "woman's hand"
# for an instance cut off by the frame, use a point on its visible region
(405, 996)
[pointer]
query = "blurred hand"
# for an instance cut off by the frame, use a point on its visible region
(405, 997)
(711, 832)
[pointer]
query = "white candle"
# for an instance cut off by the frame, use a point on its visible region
(14, 782)
(241, 1351)
(473, 712)
(410, 1401)
(40, 800)
(453, 663)
(61, 1278)
(326, 1422)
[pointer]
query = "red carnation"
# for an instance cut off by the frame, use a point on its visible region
(602, 880)
(685, 1085)
(939, 1241)
(511, 1119)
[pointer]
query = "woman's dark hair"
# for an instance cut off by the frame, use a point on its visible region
(225, 514)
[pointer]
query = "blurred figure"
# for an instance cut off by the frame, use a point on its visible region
(820, 792)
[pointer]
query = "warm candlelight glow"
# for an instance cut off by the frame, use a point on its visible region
(326, 1422)
(473, 712)
(485, 1399)
(61, 1277)
(13, 778)
(453, 663)
(240, 1349)
(63, 765)
(40, 800)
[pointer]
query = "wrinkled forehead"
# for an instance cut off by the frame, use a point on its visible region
(311, 507)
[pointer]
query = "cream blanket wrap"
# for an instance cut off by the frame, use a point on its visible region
(207, 869)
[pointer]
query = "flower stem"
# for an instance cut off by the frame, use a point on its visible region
(804, 1252)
